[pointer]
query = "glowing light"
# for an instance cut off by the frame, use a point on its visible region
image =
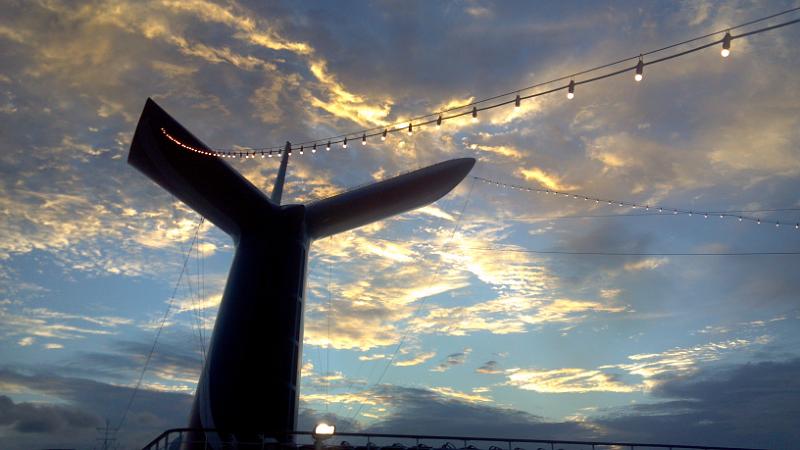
(639, 70)
(571, 90)
(726, 45)
(344, 143)
(328, 147)
(383, 136)
(323, 431)
(364, 139)
(314, 148)
(301, 149)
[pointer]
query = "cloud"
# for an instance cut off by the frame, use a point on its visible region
(548, 180)
(490, 368)
(753, 404)
(567, 380)
(416, 360)
(31, 418)
(646, 264)
(682, 360)
(452, 360)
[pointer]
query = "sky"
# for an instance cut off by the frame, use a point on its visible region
(435, 321)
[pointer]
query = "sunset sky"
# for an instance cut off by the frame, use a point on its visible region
(444, 319)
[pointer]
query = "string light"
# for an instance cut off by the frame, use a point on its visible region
(474, 114)
(439, 121)
(314, 148)
(301, 149)
(726, 45)
(344, 144)
(328, 147)
(639, 70)
(620, 203)
(364, 139)
(639, 73)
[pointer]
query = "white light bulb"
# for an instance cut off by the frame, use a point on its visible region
(638, 77)
(570, 95)
(725, 52)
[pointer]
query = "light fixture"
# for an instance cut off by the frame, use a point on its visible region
(383, 136)
(410, 129)
(323, 431)
(516, 102)
(328, 147)
(571, 90)
(344, 143)
(301, 149)
(726, 45)
(364, 139)
(639, 70)
(439, 121)
(270, 155)
(474, 114)
(314, 148)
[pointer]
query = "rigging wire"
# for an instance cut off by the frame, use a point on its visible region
(473, 108)
(170, 303)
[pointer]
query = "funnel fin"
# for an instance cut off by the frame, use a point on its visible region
(207, 184)
(386, 198)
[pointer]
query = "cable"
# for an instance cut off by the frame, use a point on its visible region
(511, 248)
(473, 107)
(662, 210)
(160, 328)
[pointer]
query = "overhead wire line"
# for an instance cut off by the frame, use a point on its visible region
(462, 110)
(663, 210)
(512, 248)
(170, 303)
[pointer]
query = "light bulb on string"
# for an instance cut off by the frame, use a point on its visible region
(364, 139)
(410, 129)
(439, 121)
(383, 136)
(474, 114)
(726, 45)
(517, 102)
(262, 155)
(314, 148)
(344, 143)
(301, 149)
(639, 70)
(328, 147)
(571, 90)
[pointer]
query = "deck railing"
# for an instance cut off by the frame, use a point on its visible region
(214, 439)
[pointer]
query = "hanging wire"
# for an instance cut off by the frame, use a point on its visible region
(474, 107)
(662, 210)
(511, 248)
(170, 303)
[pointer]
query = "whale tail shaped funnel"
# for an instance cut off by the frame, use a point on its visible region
(250, 378)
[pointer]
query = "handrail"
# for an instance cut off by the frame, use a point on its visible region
(418, 437)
